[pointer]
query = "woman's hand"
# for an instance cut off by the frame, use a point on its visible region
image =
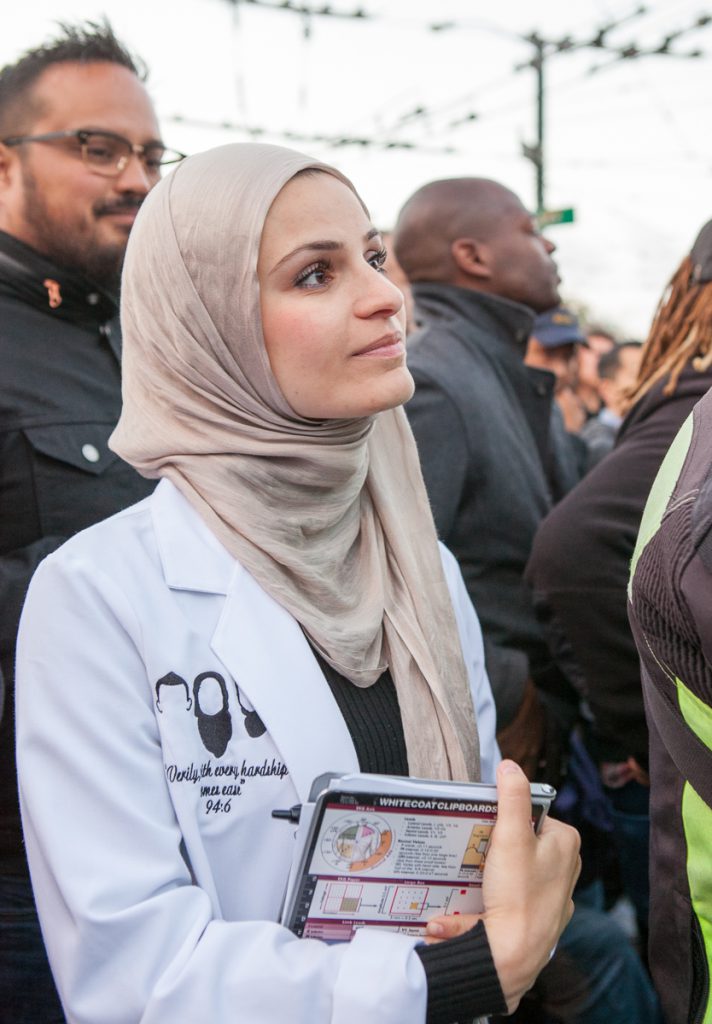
(527, 886)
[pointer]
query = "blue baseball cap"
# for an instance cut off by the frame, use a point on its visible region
(558, 326)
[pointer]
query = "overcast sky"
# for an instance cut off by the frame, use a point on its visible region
(627, 145)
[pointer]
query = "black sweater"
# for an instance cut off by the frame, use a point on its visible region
(462, 979)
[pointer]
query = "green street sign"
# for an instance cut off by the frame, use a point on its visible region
(547, 217)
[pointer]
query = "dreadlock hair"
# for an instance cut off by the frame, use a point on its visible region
(681, 334)
(87, 43)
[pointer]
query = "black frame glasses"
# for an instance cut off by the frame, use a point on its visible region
(107, 153)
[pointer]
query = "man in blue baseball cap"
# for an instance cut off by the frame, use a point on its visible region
(552, 346)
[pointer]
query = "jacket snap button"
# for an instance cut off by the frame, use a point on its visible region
(90, 453)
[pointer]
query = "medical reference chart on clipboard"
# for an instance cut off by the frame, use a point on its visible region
(386, 852)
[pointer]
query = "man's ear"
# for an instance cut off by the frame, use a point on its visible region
(6, 159)
(10, 168)
(11, 186)
(470, 258)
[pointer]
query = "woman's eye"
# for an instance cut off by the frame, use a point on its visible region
(315, 276)
(377, 259)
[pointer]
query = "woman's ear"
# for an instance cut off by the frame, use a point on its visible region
(470, 258)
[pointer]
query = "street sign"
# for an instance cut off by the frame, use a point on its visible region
(547, 217)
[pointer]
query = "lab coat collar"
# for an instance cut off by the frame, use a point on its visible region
(191, 556)
(259, 642)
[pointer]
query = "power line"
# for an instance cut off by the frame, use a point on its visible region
(361, 14)
(333, 141)
(296, 8)
(598, 40)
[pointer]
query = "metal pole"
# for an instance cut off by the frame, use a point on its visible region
(539, 162)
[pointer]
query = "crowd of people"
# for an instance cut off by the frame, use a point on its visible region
(282, 494)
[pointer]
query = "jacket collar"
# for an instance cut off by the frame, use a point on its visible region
(498, 330)
(27, 275)
(191, 556)
(492, 320)
(281, 678)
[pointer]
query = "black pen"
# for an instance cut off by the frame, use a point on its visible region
(293, 814)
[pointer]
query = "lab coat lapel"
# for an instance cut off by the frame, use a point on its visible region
(266, 652)
(259, 643)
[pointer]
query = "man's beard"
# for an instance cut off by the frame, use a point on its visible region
(99, 262)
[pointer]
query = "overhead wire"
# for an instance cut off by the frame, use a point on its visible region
(389, 135)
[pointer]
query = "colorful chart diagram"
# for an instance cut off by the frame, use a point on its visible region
(356, 843)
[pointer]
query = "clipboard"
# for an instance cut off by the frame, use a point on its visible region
(391, 852)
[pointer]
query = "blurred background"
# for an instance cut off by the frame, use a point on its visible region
(594, 107)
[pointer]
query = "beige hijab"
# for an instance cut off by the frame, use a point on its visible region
(330, 517)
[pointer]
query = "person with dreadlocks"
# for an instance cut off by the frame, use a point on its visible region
(581, 557)
(681, 334)
(670, 602)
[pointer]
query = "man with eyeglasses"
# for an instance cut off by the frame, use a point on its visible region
(80, 149)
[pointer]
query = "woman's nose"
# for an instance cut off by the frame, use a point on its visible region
(380, 296)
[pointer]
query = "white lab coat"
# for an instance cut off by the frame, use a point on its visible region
(157, 867)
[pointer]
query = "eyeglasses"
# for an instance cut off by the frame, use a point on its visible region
(106, 153)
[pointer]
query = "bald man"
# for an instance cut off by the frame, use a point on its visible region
(493, 450)
(495, 458)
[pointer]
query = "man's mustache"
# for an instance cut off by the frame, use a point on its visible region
(129, 204)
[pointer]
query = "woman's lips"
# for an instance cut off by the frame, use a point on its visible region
(388, 346)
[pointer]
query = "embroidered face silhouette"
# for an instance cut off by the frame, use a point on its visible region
(254, 726)
(172, 679)
(215, 728)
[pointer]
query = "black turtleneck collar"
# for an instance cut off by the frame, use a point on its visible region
(508, 322)
(27, 275)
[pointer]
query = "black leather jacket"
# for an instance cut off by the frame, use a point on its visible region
(60, 398)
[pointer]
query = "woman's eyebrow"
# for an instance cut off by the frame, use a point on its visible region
(317, 246)
(323, 245)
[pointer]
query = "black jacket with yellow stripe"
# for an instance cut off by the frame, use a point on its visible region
(670, 607)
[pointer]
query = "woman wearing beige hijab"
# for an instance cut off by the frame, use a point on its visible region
(278, 608)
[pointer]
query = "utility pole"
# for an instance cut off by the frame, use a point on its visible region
(535, 153)
(539, 68)
(544, 48)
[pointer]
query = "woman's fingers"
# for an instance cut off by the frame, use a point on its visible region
(527, 886)
(514, 811)
(449, 926)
